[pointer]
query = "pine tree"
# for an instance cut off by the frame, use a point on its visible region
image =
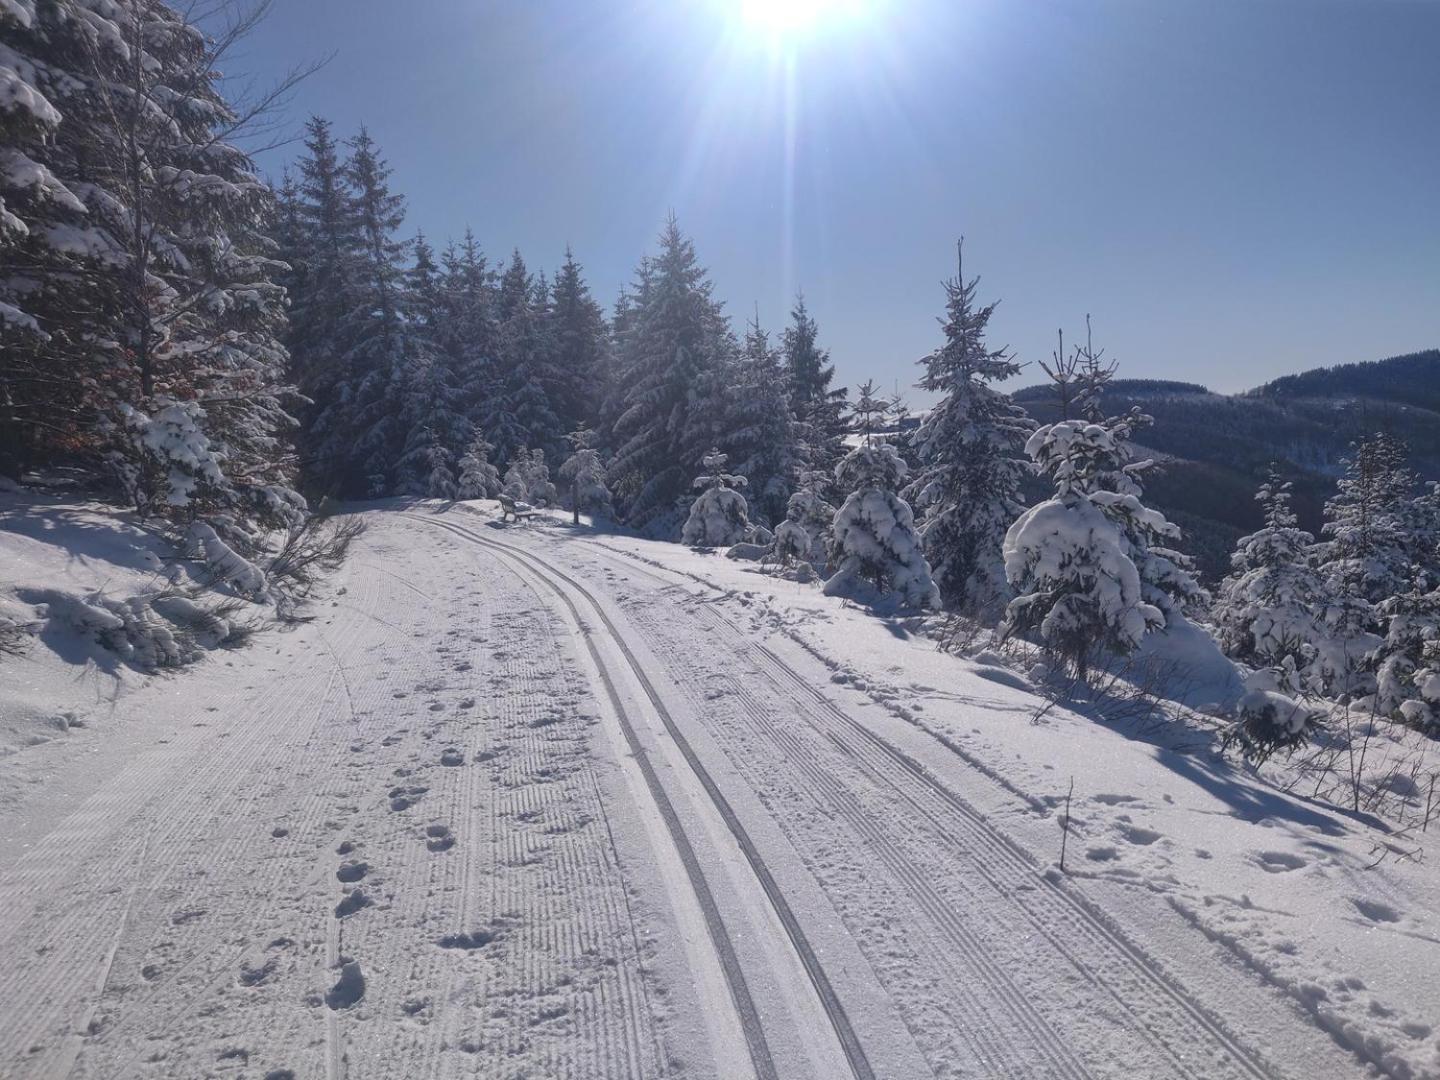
(479, 479)
(759, 434)
(971, 453)
(1271, 608)
(374, 335)
(869, 413)
(139, 313)
(584, 476)
(321, 246)
(809, 512)
(518, 412)
(1077, 588)
(578, 339)
(874, 537)
(719, 517)
(437, 429)
(1407, 663)
(674, 340)
(1367, 554)
(817, 408)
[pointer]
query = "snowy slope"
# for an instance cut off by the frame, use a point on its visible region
(530, 801)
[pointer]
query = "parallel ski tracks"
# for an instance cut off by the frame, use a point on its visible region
(953, 818)
(566, 588)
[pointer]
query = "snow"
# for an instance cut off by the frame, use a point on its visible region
(419, 830)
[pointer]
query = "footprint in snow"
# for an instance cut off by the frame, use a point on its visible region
(452, 758)
(1375, 911)
(1102, 854)
(438, 838)
(402, 798)
(351, 872)
(355, 900)
(1279, 862)
(1136, 835)
(349, 988)
(1112, 800)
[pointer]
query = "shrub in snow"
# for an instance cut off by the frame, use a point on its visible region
(227, 565)
(1090, 566)
(1270, 608)
(972, 463)
(792, 543)
(718, 518)
(478, 478)
(1269, 720)
(1407, 663)
(874, 531)
(584, 476)
(809, 511)
(528, 478)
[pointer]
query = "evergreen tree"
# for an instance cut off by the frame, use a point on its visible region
(719, 517)
(869, 413)
(584, 476)
(1092, 566)
(759, 434)
(578, 338)
(1407, 663)
(808, 511)
(971, 453)
(470, 336)
(139, 313)
(673, 340)
(1271, 608)
(818, 408)
(479, 479)
(1369, 547)
(374, 335)
(518, 412)
(437, 429)
(874, 537)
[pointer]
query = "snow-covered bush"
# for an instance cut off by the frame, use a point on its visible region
(1268, 719)
(478, 478)
(1090, 566)
(874, 531)
(792, 543)
(1407, 663)
(584, 476)
(718, 518)
(528, 478)
(1267, 609)
(809, 511)
(227, 565)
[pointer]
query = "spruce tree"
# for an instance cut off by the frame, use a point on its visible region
(1271, 607)
(478, 478)
(578, 339)
(675, 338)
(584, 475)
(518, 412)
(759, 434)
(874, 537)
(140, 313)
(971, 453)
(720, 516)
(817, 408)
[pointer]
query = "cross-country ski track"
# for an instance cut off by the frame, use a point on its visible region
(519, 803)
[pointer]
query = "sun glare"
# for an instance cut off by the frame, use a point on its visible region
(791, 20)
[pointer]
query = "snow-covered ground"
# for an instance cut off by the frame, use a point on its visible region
(530, 801)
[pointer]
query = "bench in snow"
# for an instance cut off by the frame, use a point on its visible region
(509, 508)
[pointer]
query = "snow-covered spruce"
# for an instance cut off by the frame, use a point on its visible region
(1266, 610)
(1269, 719)
(972, 463)
(809, 520)
(760, 436)
(1407, 663)
(719, 517)
(528, 478)
(115, 172)
(479, 479)
(874, 538)
(1088, 572)
(584, 475)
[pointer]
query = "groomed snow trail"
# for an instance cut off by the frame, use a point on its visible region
(517, 805)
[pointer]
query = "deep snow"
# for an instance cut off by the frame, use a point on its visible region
(418, 837)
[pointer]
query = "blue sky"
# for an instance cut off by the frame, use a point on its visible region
(1235, 189)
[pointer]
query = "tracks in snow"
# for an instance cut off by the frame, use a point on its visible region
(567, 590)
(1169, 1031)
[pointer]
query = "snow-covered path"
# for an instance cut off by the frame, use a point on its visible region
(521, 804)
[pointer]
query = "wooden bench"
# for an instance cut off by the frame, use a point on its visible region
(509, 508)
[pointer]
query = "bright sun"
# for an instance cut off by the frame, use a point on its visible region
(789, 20)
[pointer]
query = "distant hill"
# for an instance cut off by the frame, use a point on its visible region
(1217, 448)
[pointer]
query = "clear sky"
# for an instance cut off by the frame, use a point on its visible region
(1235, 189)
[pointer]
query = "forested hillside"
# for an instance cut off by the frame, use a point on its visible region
(1218, 448)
